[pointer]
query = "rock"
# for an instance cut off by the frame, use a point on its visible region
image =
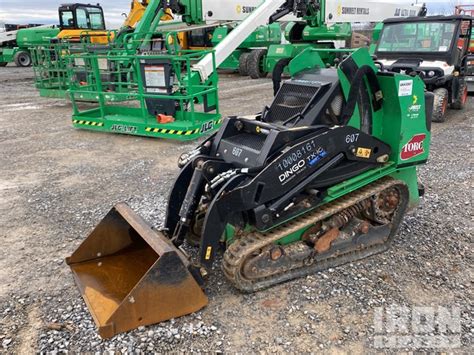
(55, 326)
(6, 342)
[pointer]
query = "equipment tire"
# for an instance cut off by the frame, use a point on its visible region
(440, 104)
(22, 59)
(256, 64)
(3, 64)
(462, 93)
(243, 64)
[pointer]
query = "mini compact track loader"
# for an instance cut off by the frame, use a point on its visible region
(323, 176)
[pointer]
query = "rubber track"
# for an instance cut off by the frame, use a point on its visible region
(238, 252)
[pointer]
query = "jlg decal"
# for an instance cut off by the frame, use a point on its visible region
(207, 126)
(414, 147)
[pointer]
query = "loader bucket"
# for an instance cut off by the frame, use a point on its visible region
(130, 275)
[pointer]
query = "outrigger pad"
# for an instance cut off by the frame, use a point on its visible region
(130, 275)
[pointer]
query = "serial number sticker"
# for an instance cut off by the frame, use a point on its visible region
(298, 154)
(363, 153)
(405, 88)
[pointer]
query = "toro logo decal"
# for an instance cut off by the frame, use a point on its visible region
(414, 147)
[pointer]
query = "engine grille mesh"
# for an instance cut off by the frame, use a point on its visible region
(291, 100)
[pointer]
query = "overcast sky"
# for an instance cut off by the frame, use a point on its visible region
(45, 11)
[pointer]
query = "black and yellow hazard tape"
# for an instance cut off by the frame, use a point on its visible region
(171, 131)
(88, 123)
(178, 132)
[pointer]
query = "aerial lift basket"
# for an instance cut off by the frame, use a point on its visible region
(130, 275)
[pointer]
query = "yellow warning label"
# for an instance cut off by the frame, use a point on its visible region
(363, 153)
(208, 253)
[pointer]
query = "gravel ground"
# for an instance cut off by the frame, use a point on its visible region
(56, 183)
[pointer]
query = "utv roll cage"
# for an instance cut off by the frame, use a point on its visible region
(453, 54)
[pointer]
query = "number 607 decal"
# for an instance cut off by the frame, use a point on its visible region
(352, 138)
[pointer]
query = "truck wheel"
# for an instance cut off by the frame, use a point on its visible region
(256, 63)
(440, 104)
(3, 64)
(459, 103)
(243, 66)
(22, 59)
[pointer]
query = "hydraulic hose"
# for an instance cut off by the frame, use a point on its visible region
(278, 72)
(357, 84)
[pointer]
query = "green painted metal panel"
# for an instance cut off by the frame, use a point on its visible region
(232, 61)
(29, 37)
(337, 32)
(7, 55)
(126, 120)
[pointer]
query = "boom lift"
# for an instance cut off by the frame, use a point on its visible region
(142, 26)
(327, 25)
(321, 177)
(11, 45)
(235, 11)
(14, 44)
(173, 103)
(180, 106)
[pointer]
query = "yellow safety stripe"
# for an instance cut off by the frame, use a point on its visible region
(88, 123)
(177, 132)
